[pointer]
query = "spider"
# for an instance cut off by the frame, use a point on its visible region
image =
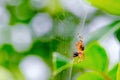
(80, 52)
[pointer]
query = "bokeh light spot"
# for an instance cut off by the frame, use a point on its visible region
(21, 37)
(38, 4)
(34, 68)
(42, 23)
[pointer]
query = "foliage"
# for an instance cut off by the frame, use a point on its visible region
(54, 47)
(118, 72)
(110, 6)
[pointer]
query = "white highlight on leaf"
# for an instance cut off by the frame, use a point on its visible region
(98, 22)
(78, 7)
(112, 47)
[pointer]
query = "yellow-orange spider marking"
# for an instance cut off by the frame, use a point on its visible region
(80, 49)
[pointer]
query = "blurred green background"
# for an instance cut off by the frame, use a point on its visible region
(38, 37)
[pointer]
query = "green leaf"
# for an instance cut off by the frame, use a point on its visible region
(112, 73)
(90, 76)
(42, 49)
(110, 6)
(54, 7)
(12, 73)
(9, 57)
(60, 62)
(17, 74)
(117, 34)
(103, 32)
(24, 12)
(20, 14)
(5, 74)
(118, 72)
(95, 58)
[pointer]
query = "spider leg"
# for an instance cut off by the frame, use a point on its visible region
(81, 56)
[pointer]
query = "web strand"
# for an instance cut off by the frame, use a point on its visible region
(82, 25)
